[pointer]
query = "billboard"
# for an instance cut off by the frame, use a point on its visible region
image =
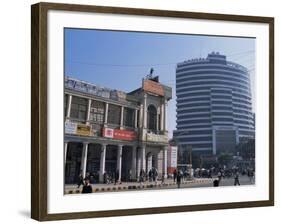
(119, 134)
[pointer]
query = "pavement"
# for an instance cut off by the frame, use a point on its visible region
(125, 186)
(168, 184)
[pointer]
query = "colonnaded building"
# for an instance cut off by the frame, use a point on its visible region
(112, 131)
(214, 105)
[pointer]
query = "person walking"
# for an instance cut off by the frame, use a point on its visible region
(236, 179)
(175, 175)
(179, 176)
(219, 175)
(142, 174)
(80, 180)
(116, 177)
(87, 188)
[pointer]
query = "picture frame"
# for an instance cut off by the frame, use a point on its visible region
(40, 102)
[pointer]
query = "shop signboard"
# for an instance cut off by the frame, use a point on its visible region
(108, 132)
(70, 127)
(156, 138)
(119, 134)
(83, 129)
(172, 156)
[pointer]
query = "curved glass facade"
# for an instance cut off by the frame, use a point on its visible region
(214, 105)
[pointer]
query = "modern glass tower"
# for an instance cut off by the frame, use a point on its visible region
(214, 108)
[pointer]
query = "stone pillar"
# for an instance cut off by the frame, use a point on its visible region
(65, 151)
(106, 113)
(136, 118)
(138, 162)
(142, 157)
(145, 111)
(165, 161)
(102, 162)
(134, 162)
(84, 159)
(88, 111)
(162, 115)
(69, 106)
(158, 121)
(119, 161)
(149, 162)
(165, 115)
(122, 118)
(141, 116)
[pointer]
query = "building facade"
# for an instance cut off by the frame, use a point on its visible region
(214, 105)
(110, 131)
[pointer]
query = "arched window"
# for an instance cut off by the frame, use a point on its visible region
(152, 118)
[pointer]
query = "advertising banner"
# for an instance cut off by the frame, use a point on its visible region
(119, 134)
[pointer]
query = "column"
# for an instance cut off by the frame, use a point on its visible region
(119, 161)
(142, 157)
(138, 162)
(84, 159)
(162, 116)
(136, 118)
(122, 118)
(88, 111)
(165, 114)
(106, 113)
(141, 116)
(69, 106)
(65, 151)
(165, 150)
(102, 162)
(145, 111)
(158, 125)
(134, 162)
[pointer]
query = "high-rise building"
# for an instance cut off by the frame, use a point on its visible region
(214, 105)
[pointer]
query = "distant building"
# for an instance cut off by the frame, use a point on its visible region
(109, 131)
(214, 105)
(172, 157)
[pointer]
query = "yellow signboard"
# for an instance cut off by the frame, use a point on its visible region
(83, 129)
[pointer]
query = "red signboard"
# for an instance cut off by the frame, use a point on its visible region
(119, 134)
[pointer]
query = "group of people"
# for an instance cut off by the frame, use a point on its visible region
(151, 176)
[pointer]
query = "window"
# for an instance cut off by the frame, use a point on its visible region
(129, 119)
(114, 113)
(79, 108)
(152, 118)
(97, 112)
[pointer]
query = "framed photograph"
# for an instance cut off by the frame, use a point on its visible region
(140, 111)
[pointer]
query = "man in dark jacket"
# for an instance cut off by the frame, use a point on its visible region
(179, 176)
(87, 188)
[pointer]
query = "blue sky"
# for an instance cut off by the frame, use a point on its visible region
(119, 60)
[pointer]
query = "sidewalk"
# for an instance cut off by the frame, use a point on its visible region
(125, 186)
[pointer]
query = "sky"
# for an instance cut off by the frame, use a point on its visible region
(120, 59)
